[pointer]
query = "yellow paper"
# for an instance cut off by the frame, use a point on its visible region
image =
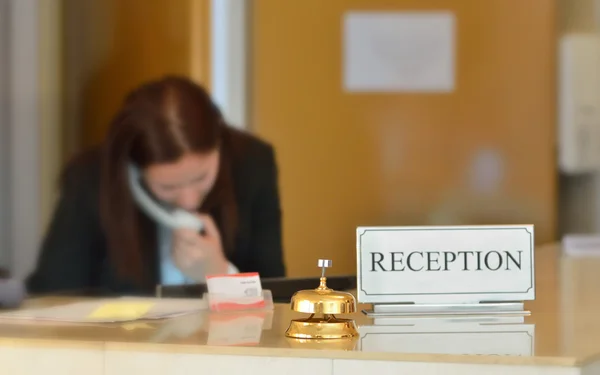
(125, 310)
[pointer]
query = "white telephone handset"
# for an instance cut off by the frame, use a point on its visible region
(176, 219)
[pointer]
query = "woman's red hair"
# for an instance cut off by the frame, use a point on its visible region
(159, 122)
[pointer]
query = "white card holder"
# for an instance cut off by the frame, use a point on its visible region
(226, 302)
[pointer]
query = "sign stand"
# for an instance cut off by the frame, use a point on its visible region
(486, 308)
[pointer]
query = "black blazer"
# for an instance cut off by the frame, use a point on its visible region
(74, 255)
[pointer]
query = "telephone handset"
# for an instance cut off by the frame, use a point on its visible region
(176, 219)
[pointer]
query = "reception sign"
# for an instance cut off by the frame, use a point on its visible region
(445, 264)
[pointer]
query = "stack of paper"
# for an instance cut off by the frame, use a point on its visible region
(110, 310)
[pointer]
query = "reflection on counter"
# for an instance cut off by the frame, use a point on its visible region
(346, 344)
(179, 328)
(244, 328)
(480, 336)
(234, 328)
(578, 302)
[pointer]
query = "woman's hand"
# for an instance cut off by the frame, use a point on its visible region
(199, 254)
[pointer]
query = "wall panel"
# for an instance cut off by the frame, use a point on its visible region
(483, 154)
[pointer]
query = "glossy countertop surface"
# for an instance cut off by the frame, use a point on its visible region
(562, 330)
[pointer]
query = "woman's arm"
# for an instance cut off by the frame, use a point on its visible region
(67, 257)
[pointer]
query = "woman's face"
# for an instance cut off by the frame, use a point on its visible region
(186, 182)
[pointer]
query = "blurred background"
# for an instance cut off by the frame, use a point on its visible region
(382, 112)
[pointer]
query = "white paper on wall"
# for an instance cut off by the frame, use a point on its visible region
(399, 51)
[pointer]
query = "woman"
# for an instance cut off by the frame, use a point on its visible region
(168, 141)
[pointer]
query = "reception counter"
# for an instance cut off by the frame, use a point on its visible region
(561, 336)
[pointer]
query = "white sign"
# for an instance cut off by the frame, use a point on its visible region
(581, 245)
(399, 51)
(438, 264)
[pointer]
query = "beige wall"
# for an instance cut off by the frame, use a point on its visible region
(114, 45)
(404, 159)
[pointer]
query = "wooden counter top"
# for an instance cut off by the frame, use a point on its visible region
(564, 329)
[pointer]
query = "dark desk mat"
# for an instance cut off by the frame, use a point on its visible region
(281, 288)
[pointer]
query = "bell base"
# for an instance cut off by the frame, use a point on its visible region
(328, 327)
(346, 344)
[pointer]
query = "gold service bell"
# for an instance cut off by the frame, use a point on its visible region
(326, 302)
